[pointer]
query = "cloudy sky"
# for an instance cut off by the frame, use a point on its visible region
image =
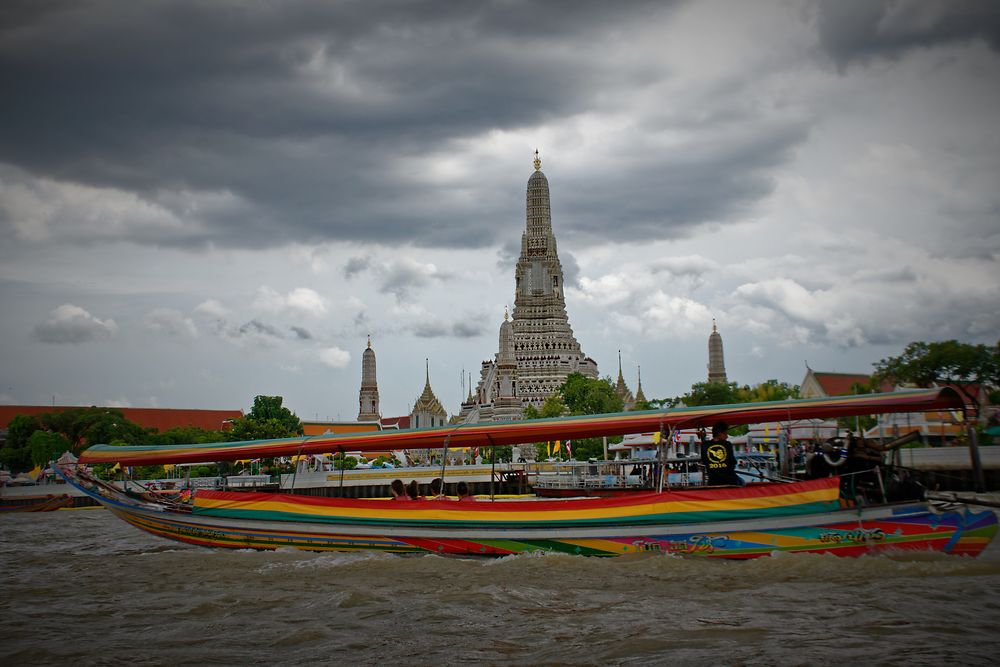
(205, 201)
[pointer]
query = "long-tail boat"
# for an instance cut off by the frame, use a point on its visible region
(717, 522)
(46, 503)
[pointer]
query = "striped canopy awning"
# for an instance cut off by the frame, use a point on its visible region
(535, 430)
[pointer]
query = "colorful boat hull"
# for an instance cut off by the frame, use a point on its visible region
(405, 527)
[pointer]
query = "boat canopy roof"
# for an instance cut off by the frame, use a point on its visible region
(534, 430)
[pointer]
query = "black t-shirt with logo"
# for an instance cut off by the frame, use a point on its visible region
(719, 461)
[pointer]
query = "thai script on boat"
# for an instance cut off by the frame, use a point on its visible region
(699, 544)
(858, 536)
(645, 545)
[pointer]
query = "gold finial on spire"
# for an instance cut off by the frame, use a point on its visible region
(369, 341)
(538, 161)
(713, 324)
(505, 316)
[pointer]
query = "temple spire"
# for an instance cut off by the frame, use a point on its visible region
(368, 400)
(716, 358)
(538, 161)
(621, 388)
(639, 396)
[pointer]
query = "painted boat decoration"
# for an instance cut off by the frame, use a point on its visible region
(714, 522)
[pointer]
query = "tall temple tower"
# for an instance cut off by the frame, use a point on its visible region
(507, 406)
(716, 361)
(368, 396)
(544, 345)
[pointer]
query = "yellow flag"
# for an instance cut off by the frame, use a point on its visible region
(556, 447)
(656, 438)
(116, 467)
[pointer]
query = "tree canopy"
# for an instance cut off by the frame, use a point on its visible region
(961, 365)
(267, 419)
(720, 393)
(580, 395)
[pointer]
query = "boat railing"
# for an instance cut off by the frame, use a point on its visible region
(248, 481)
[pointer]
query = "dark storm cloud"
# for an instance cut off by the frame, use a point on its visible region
(258, 328)
(259, 125)
(858, 30)
(470, 327)
(715, 183)
(356, 265)
(301, 333)
(401, 277)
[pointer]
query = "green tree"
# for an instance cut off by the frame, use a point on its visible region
(45, 446)
(184, 435)
(961, 365)
(266, 420)
(711, 393)
(16, 454)
(581, 395)
(769, 390)
(105, 426)
(587, 396)
(20, 428)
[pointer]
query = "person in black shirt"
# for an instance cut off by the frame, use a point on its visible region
(719, 459)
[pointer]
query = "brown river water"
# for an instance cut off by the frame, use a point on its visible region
(81, 587)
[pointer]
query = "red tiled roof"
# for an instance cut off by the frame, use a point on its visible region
(839, 384)
(398, 422)
(162, 419)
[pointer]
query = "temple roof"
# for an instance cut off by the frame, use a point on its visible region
(427, 401)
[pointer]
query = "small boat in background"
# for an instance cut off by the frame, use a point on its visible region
(48, 503)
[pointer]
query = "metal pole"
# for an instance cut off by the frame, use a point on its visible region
(977, 464)
(493, 469)
(343, 466)
(881, 484)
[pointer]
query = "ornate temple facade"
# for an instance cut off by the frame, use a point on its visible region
(427, 409)
(716, 359)
(537, 347)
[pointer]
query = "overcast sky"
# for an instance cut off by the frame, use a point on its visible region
(205, 201)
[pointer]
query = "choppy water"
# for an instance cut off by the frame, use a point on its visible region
(83, 587)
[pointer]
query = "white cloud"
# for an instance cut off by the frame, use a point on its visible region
(212, 308)
(306, 301)
(73, 324)
(334, 357)
(302, 300)
(170, 322)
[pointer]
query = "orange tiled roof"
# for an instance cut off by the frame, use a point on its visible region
(162, 419)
